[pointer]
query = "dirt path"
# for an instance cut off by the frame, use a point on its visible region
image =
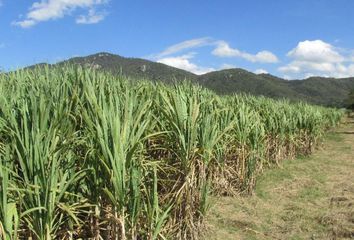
(308, 198)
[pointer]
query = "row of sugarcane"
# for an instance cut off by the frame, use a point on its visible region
(88, 155)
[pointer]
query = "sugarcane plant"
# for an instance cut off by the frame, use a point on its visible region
(85, 154)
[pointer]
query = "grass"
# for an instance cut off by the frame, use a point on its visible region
(306, 198)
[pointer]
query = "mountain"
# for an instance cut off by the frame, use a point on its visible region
(317, 90)
(135, 68)
(239, 80)
(132, 67)
(324, 91)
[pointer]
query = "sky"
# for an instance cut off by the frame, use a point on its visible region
(290, 39)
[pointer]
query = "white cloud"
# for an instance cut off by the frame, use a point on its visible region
(308, 75)
(25, 23)
(46, 10)
(223, 49)
(315, 51)
(260, 71)
(287, 77)
(171, 57)
(189, 44)
(183, 62)
(317, 58)
(92, 17)
(227, 66)
(352, 56)
(2, 45)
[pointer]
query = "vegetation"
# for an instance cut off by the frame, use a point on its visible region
(350, 100)
(85, 154)
(329, 92)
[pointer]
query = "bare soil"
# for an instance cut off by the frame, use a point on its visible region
(306, 198)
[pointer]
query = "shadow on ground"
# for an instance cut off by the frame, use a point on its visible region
(345, 132)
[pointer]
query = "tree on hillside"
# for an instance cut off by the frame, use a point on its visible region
(350, 100)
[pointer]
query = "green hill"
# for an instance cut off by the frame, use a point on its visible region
(238, 80)
(324, 91)
(132, 67)
(317, 90)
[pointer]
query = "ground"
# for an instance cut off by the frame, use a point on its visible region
(306, 198)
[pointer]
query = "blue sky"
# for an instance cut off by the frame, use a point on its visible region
(291, 39)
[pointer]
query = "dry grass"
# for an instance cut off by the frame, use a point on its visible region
(307, 198)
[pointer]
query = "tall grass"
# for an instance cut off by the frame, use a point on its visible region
(85, 154)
